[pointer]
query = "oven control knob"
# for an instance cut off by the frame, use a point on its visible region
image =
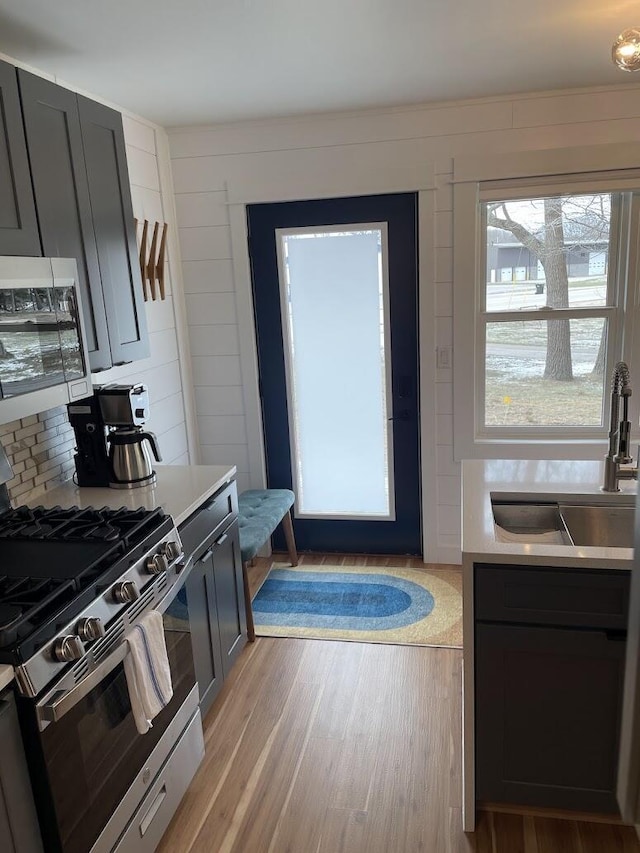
(68, 648)
(126, 592)
(157, 564)
(171, 550)
(90, 629)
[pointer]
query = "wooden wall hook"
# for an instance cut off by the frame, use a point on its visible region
(152, 258)
(143, 256)
(151, 265)
(160, 262)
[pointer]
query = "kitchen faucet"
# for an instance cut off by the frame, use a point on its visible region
(619, 432)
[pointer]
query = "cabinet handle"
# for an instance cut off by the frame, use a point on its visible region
(206, 556)
(153, 810)
(221, 539)
(619, 636)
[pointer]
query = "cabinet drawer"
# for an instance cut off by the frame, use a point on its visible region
(551, 596)
(217, 512)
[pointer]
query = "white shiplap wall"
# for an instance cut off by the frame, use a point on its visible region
(205, 244)
(348, 154)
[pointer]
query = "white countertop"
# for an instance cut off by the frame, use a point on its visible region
(543, 479)
(180, 490)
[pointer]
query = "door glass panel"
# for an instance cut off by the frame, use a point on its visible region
(334, 299)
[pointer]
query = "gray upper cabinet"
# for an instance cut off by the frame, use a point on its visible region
(18, 226)
(54, 138)
(110, 194)
(83, 201)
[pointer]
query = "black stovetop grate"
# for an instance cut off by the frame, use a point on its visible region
(54, 561)
(74, 524)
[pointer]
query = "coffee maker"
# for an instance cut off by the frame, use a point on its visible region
(112, 446)
(91, 459)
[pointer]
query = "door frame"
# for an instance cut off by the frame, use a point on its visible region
(318, 185)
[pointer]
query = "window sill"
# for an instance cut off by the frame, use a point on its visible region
(532, 449)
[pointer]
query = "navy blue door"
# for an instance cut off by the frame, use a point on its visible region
(402, 534)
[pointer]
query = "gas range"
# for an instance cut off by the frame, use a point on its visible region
(72, 580)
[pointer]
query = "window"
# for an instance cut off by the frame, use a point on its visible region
(543, 307)
(536, 371)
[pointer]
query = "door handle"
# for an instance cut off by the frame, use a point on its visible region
(402, 415)
(53, 707)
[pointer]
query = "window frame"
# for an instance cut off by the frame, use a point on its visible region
(523, 176)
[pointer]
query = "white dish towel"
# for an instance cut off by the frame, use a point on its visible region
(147, 669)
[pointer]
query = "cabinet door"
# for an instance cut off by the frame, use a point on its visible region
(110, 194)
(548, 705)
(18, 225)
(19, 831)
(205, 638)
(59, 176)
(232, 618)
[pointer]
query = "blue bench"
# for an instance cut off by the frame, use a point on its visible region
(260, 511)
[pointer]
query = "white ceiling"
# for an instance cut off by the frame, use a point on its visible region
(204, 61)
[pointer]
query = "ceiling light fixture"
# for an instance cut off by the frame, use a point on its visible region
(626, 50)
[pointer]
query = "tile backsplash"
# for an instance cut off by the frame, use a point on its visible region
(40, 449)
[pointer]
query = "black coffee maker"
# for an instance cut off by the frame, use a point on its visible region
(112, 448)
(91, 458)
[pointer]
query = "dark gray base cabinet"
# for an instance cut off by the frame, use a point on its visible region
(205, 636)
(548, 705)
(18, 225)
(548, 697)
(215, 593)
(19, 828)
(232, 620)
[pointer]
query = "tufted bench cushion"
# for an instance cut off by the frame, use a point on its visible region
(260, 511)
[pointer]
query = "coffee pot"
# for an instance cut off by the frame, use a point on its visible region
(130, 458)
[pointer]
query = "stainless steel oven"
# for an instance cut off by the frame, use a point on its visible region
(99, 785)
(102, 779)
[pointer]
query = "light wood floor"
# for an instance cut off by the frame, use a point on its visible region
(329, 747)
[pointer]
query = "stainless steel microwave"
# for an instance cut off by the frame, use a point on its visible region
(44, 359)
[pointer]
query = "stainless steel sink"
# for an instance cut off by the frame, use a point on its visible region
(528, 517)
(582, 524)
(603, 526)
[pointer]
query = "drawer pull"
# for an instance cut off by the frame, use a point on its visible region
(145, 823)
(221, 539)
(616, 636)
(206, 555)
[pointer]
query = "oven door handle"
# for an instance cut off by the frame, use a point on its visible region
(55, 705)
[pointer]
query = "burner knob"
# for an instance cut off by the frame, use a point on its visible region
(126, 592)
(68, 648)
(90, 629)
(171, 550)
(157, 564)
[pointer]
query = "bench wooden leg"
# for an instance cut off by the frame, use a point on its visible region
(287, 526)
(251, 631)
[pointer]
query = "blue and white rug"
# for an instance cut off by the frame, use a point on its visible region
(370, 604)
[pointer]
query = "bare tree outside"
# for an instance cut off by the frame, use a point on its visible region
(589, 217)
